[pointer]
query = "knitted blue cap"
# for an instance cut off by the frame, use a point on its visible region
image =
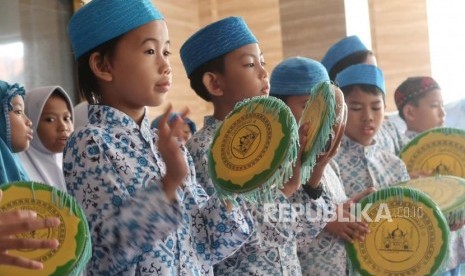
(361, 74)
(215, 40)
(102, 20)
(343, 48)
(296, 76)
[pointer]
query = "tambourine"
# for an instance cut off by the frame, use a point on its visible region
(408, 234)
(439, 150)
(254, 150)
(447, 191)
(326, 114)
(74, 250)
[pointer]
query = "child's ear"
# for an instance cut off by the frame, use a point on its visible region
(100, 66)
(409, 112)
(212, 83)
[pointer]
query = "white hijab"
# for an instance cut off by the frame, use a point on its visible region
(41, 164)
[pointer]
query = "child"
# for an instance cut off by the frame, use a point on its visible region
(15, 136)
(15, 132)
(350, 51)
(51, 110)
(228, 69)
(146, 212)
(420, 104)
(361, 161)
(292, 81)
(188, 128)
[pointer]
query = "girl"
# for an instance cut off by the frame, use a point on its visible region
(51, 109)
(12, 117)
(15, 136)
(137, 186)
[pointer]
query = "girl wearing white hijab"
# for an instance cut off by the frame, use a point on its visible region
(51, 112)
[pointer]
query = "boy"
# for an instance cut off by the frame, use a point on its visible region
(420, 105)
(362, 162)
(225, 66)
(146, 212)
(293, 81)
(350, 51)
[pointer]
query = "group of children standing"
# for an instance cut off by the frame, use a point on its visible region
(149, 200)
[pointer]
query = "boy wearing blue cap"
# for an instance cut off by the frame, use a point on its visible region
(293, 81)
(350, 51)
(137, 186)
(225, 66)
(362, 162)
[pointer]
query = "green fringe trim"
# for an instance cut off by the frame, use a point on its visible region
(443, 130)
(328, 119)
(270, 189)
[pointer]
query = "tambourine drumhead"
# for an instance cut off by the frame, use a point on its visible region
(73, 234)
(253, 146)
(409, 235)
(448, 192)
(439, 150)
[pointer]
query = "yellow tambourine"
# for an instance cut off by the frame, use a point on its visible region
(439, 151)
(74, 250)
(325, 114)
(253, 151)
(447, 191)
(409, 234)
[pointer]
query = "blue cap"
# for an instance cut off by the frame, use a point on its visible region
(342, 49)
(296, 76)
(190, 123)
(215, 40)
(102, 20)
(361, 74)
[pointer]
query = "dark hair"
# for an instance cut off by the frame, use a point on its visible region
(415, 101)
(281, 97)
(215, 65)
(352, 59)
(58, 93)
(367, 88)
(87, 82)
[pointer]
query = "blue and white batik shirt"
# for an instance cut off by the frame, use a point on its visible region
(114, 169)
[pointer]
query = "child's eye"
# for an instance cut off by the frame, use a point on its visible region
(376, 108)
(263, 63)
(150, 52)
(18, 111)
(166, 53)
(249, 65)
(355, 108)
(68, 118)
(50, 120)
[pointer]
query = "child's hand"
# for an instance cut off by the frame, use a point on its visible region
(347, 230)
(418, 174)
(21, 221)
(170, 150)
(294, 183)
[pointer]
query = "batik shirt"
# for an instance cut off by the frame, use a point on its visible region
(272, 250)
(326, 255)
(114, 169)
(390, 138)
(457, 238)
(362, 167)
